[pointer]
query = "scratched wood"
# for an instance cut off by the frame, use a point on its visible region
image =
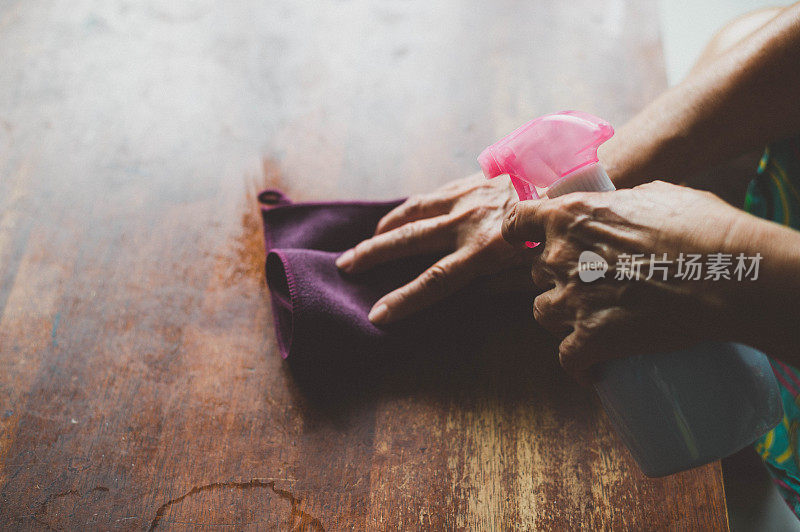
(141, 386)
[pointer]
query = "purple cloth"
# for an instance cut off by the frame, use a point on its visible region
(320, 313)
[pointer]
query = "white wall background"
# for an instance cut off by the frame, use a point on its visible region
(686, 25)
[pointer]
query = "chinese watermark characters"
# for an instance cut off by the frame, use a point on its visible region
(688, 267)
(685, 267)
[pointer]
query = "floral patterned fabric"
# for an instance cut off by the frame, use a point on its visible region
(775, 195)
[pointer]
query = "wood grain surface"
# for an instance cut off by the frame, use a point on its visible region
(140, 384)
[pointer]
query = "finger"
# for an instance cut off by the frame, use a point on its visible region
(542, 276)
(415, 238)
(527, 221)
(589, 343)
(571, 352)
(550, 309)
(413, 209)
(447, 276)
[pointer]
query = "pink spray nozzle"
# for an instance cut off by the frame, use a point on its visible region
(488, 164)
(544, 150)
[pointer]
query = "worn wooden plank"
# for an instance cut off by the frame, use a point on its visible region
(141, 386)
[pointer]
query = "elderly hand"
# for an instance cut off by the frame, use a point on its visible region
(610, 318)
(462, 218)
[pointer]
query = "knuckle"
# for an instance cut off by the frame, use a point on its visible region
(575, 202)
(572, 351)
(537, 310)
(579, 222)
(573, 278)
(567, 350)
(383, 224)
(556, 255)
(407, 231)
(413, 204)
(548, 212)
(539, 272)
(435, 278)
(600, 209)
(540, 307)
(510, 219)
(584, 301)
(541, 278)
(592, 327)
(544, 306)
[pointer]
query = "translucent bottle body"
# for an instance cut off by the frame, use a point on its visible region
(679, 410)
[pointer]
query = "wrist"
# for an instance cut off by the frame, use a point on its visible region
(616, 164)
(640, 153)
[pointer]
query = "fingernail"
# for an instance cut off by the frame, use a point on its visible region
(345, 260)
(378, 314)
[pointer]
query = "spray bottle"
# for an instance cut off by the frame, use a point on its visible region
(676, 410)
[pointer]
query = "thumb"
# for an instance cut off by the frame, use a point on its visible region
(527, 221)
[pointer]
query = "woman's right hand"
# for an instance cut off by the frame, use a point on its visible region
(651, 296)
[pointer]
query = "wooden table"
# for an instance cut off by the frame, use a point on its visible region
(140, 385)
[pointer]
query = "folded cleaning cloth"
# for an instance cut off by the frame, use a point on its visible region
(320, 313)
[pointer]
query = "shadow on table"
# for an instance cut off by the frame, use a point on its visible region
(490, 349)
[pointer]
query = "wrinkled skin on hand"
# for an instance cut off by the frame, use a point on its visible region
(611, 318)
(463, 219)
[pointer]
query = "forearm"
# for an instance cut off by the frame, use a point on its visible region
(767, 308)
(744, 99)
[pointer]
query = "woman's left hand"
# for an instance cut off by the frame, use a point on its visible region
(608, 317)
(462, 220)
